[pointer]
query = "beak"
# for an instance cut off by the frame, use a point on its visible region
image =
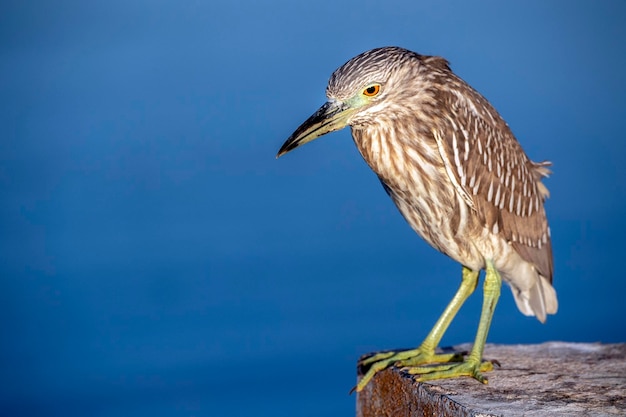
(330, 117)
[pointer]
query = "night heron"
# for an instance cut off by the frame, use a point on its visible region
(459, 177)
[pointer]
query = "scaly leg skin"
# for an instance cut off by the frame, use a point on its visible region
(473, 366)
(425, 353)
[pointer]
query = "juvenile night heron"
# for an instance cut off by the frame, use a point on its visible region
(459, 177)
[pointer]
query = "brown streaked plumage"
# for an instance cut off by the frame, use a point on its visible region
(453, 168)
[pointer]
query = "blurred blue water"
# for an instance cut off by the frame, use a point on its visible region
(156, 259)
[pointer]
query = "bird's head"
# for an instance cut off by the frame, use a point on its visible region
(358, 91)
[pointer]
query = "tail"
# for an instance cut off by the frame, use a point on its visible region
(539, 300)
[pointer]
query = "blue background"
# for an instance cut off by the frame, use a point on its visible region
(156, 259)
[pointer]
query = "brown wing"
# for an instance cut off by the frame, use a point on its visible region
(493, 172)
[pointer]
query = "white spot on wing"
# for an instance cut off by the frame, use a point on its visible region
(457, 160)
(497, 200)
(536, 203)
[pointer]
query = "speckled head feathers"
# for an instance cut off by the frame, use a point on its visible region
(376, 65)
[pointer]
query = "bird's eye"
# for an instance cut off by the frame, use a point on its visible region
(372, 90)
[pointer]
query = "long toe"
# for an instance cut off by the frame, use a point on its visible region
(470, 368)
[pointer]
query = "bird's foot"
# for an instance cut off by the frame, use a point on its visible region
(470, 367)
(404, 358)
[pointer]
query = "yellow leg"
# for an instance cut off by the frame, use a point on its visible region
(425, 353)
(473, 365)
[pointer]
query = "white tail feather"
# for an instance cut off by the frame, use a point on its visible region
(539, 300)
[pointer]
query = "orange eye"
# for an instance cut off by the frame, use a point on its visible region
(372, 90)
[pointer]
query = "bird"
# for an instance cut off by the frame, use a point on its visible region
(461, 180)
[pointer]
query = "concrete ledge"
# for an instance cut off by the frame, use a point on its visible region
(550, 379)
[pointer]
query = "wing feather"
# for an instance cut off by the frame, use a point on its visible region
(488, 166)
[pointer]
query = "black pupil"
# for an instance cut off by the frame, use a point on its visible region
(371, 90)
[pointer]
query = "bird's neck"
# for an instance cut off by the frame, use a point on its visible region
(391, 151)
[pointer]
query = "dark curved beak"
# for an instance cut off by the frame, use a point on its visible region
(332, 116)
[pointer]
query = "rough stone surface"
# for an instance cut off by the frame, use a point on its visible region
(550, 379)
